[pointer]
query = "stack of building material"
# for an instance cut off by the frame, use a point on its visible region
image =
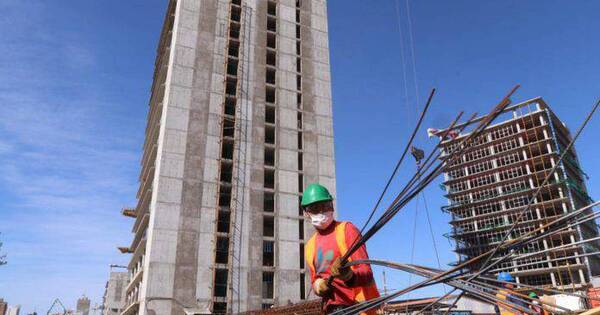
(312, 307)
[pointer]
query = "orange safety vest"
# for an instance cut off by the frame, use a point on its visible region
(362, 293)
(502, 294)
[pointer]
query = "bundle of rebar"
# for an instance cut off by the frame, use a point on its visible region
(464, 277)
(468, 283)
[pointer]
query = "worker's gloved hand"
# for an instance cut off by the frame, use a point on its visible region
(321, 287)
(344, 274)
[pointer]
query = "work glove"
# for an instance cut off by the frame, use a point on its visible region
(321, 287)
(344, 274)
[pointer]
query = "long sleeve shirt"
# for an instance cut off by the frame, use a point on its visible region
(327, 251)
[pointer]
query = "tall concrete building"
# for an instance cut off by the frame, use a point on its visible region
(492, 183)
(240, 121)
(83, 306)
(113, 300)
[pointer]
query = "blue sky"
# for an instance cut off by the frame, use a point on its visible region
(74, 85)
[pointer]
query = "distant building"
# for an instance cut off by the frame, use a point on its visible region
(114, 293)
(14, 310)
(83, 306)
(3, 307)
(492, 183)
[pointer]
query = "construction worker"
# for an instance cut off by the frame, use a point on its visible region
(323, 254)
(536, 305)
(503, 294)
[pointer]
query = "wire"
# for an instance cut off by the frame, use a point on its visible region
(394, 172)
(414, 237)
(437, 254)
(412, 49)
(400, 32)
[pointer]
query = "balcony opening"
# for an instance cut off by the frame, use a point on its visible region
(271, 41)
(220, 287)
(230, 106)
(236, 13)
(234, 30)
(270, 95)
(225, 197)
(300, 209)
(222, 251)
(300, 183)
(299, 100)
(271, 24)
(269, 156)
(223, 221)
(268, 226)
(268, 253)
(234, 48)
(269, 135)
(298, 65)
(228, 128)
(298, 82)
(301, 260)
(220, 308)
(266, 306)
(236, 2)
(271, 58)
(226, 172)
(302, 286)
(267, 283)
(231, 86)
(301, 237)
(270, 76)
(269, 202)
(272, 8)
(298, 48)
(300, 161)
(297, 31)
(297, 16)
(232, 67)
(227, 149)
(299, 119)
(299, 140)
(298, 4)
(269, 179)
(269, 114)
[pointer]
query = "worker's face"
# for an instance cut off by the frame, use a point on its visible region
(509, 286)
(320, 214)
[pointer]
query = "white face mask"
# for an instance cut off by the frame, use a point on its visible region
(321, 220)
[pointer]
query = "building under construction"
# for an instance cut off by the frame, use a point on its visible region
(494, 179)
(239, 121)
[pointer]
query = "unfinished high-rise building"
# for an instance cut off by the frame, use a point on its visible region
(240, 120)
(491, 183)
(113, 299)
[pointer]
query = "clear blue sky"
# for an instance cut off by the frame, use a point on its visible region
(74, 85)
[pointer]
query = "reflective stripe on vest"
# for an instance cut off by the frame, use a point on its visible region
(367, 292)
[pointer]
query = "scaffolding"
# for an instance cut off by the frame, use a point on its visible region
(227, 278)
(240, 163)
(492, 182)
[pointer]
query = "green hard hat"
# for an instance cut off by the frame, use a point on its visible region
(533, 295)
(315, 193)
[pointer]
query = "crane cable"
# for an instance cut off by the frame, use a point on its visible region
(412, 50)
